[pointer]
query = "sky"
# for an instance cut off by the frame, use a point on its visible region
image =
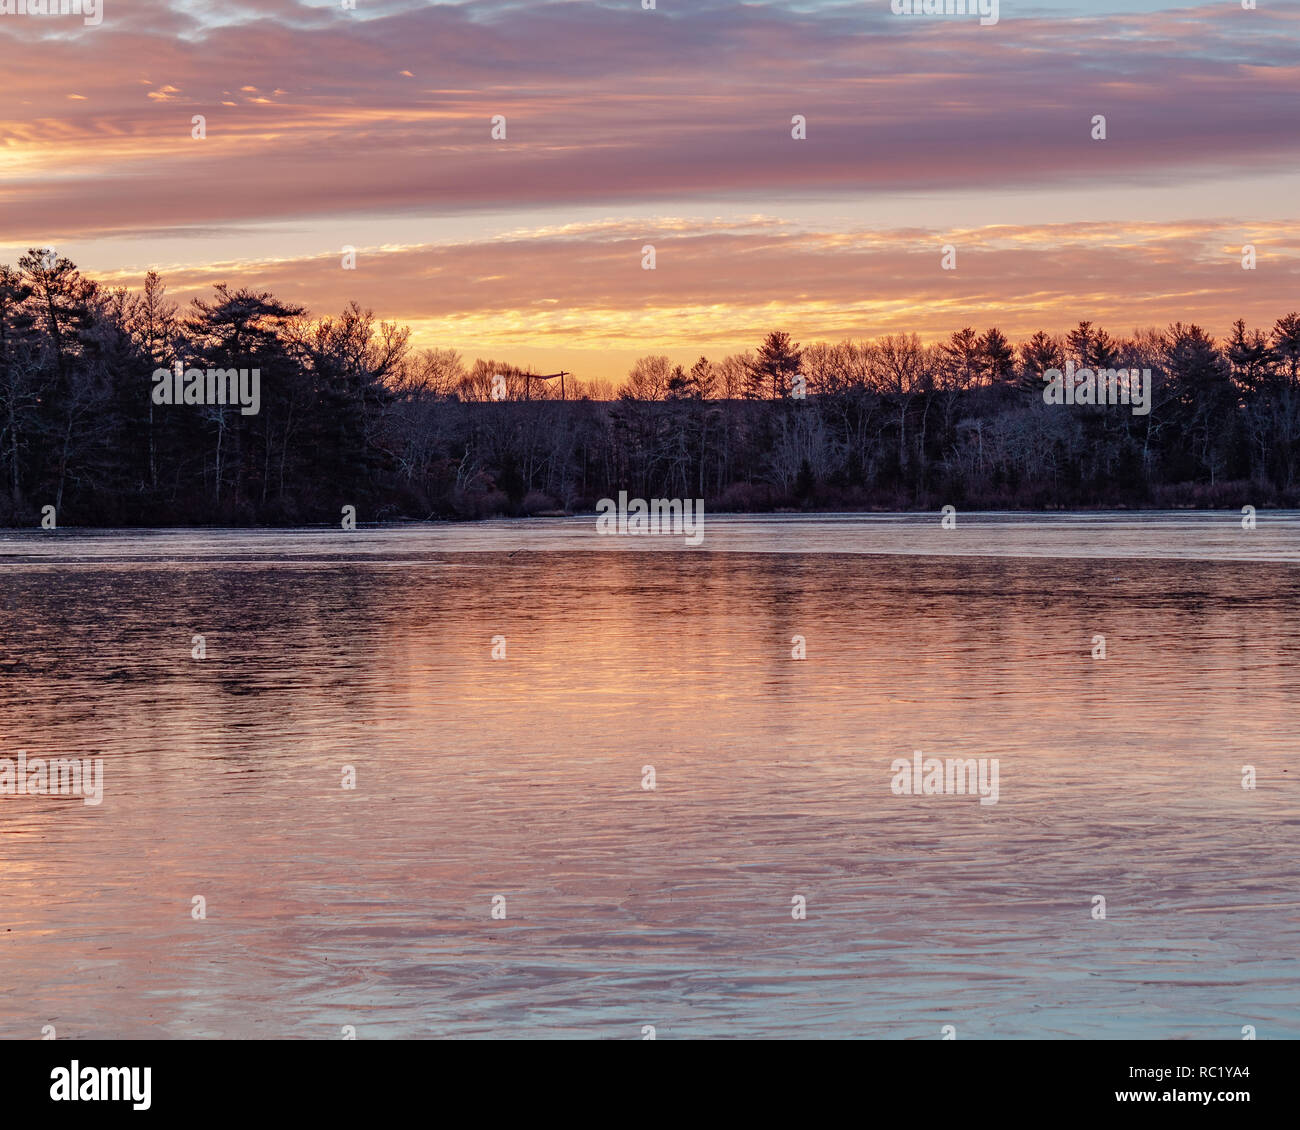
(371, 128)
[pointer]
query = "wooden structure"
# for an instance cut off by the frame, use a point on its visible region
(530, 377)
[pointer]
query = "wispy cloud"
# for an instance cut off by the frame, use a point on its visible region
(316, 116)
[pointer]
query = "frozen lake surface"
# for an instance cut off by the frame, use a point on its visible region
(522, 777)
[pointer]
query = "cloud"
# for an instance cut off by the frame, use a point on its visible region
(720, 285)
(380, 121)
(613, 104)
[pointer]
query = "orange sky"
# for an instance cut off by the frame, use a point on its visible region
(672, 127)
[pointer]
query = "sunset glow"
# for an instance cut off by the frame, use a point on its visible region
(625, 127)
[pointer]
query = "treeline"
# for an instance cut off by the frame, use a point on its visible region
(351, 414)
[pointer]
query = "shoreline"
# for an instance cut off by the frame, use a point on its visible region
(558, 515)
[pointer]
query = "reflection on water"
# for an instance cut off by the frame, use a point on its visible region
(522, 777)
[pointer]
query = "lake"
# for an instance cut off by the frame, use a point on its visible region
(772, 883)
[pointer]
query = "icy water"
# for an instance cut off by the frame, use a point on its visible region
(625, 906)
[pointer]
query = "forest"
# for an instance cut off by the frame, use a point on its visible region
(352, 414)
